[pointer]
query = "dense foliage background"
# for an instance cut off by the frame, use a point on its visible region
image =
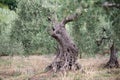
(24, 25)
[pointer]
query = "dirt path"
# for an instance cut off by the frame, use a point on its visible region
(22, 68)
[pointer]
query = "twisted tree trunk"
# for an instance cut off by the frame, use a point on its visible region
(67, 51)
(113, 62)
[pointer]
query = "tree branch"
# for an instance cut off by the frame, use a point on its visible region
(69, 18)
(99, 42)
(108, 4)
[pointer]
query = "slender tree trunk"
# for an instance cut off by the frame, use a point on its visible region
(67, 51)
(113, 62)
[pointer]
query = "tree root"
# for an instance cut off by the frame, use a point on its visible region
(111, 64)
(58, 66)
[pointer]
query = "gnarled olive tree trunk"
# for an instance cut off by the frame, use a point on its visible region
(67, 51)
(113, 62)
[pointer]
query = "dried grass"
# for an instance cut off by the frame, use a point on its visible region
(22, 68)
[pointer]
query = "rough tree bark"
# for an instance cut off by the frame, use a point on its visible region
(113, 62)
(67, 51)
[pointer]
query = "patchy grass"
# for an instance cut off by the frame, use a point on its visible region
(22, 68)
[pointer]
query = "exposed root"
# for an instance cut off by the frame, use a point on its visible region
(56, 67)
(111, 64)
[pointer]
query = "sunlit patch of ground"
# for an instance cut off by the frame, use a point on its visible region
(22, 68)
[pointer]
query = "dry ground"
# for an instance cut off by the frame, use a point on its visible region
(22, 68)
